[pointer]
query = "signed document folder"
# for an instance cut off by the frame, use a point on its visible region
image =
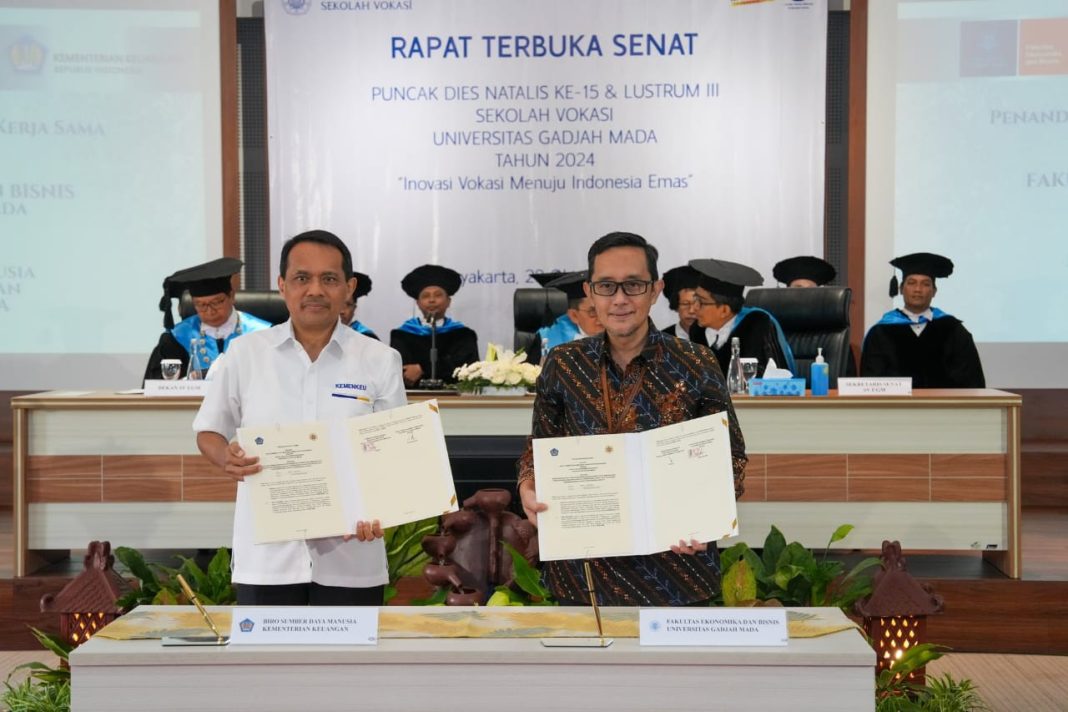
(635, 493)
(320, 478)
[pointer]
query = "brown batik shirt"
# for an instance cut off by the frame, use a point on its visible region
(679, 381)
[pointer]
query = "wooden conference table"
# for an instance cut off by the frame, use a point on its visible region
(938, 470)
(827, 673)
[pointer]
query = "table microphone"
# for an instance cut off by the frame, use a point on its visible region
(433, 383)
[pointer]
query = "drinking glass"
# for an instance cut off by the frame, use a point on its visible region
(171, 368)
(749, 369)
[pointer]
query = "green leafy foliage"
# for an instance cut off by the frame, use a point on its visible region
(404, 551)
(30, 696)
(893, 692)
(47, 689)
(527, 580)
(739, 584)
(944, 694)
(158, 584)
(790, 574)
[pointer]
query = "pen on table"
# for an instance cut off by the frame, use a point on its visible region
(196, 602)
(593, 601)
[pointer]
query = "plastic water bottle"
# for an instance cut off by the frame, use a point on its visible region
(196, 371)
(818, 374)
(735, 376)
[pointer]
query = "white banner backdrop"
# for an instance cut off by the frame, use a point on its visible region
(501, 137)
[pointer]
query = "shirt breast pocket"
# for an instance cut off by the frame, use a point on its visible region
(347, 403)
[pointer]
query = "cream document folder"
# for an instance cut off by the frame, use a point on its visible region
(635, 493)
(320, 478)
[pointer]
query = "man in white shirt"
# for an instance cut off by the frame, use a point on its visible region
(305, 369)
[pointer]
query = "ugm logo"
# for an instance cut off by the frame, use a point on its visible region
(27, 55)
(296, 7)
(246, 626)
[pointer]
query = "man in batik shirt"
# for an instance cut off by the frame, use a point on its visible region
(631, 378)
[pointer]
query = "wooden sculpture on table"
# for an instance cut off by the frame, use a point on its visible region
(467, 555)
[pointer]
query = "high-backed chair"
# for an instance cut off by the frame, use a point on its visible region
(533, 309)
(266, 304)
(811, 318)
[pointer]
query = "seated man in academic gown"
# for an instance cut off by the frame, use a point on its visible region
(578, 322)
(804, 271)
(722, 315)
(922, 341)
(348, 310)
(432, 287)
(215, 324)
(680, 284)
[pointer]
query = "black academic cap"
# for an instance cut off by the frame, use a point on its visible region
(679, 278)
(431, 276)
(726, 278)
(570, 283)
(804, 267)
(543, 278)
(925, 263)
(201, 281)
(363, 285)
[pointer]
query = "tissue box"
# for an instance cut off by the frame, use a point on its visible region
(777, 387)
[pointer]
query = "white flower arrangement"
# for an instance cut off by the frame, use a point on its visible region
(501, 368)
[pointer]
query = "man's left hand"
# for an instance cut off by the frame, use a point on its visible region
(366, 531)
(692, 548)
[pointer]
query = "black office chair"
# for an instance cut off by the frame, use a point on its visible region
(811, 318)
(533, 309)
(266, 304)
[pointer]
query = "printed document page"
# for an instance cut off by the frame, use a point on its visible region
(586, 482)
(320, 478)
(402, 466)
(635, 493)
(296, 495)
(690, 482)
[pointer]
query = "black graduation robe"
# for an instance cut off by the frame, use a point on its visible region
(942, 356)
(167, 347)
(455, 348)
(757, 339)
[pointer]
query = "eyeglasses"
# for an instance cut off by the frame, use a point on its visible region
(631, 287)
(687, 305)
(214, 305)
(590, 312)
(702, 303)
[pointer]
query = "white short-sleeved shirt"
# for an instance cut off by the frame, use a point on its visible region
(267, 379)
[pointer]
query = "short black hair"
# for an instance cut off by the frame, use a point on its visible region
(321, 237)
(733, 302)
(624, 239)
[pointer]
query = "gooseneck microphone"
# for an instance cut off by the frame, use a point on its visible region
(433, 383)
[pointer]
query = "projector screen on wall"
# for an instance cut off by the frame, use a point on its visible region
(967, 157)
(109, 180)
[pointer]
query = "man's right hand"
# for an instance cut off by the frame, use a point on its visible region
(237, 465)
(531, 505)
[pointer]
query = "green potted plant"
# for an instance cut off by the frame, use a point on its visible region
(788, 574)
(47, 689)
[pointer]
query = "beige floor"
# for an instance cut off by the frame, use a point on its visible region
(1011, 683)
(1007, 683)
